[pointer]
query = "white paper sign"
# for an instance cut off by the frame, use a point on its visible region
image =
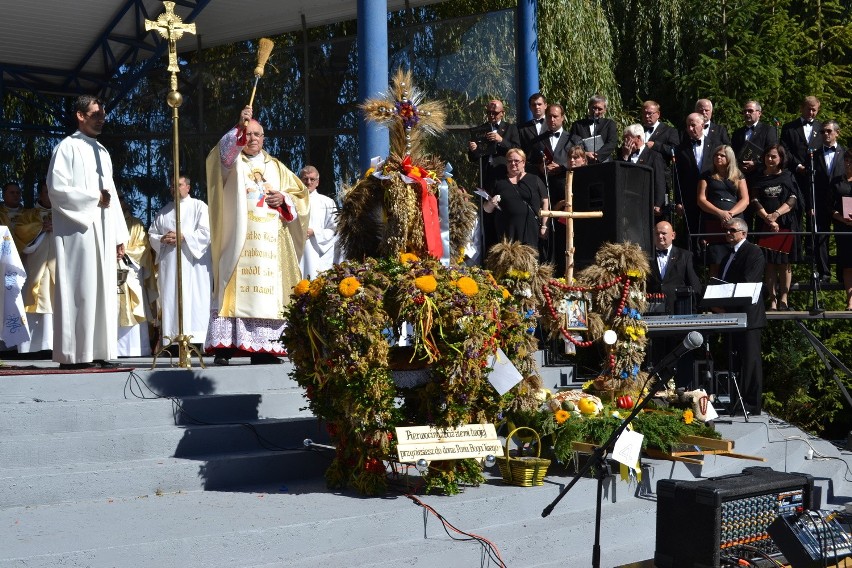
(504, 374)
(627, 448)
(432, 444)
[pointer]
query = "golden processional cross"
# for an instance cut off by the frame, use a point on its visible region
(171, 28)
(570, 215)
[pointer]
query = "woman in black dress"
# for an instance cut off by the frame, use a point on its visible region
(722, 195)
(843, 226)
(518, 199)
(775, 200)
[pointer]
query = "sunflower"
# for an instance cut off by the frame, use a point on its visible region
(467, 285)
(348, 286)
(562, 416)
(426, 283)
(302, 287)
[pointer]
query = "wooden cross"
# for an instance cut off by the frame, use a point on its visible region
(171, 28)
(570, 215)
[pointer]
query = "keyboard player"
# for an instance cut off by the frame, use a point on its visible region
(671, 268)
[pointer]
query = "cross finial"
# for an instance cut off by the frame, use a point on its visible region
(171, 28)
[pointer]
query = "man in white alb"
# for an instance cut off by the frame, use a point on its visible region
(89, 234)
(320, 246)
(196, 277)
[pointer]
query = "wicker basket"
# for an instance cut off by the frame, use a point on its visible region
(524, 471)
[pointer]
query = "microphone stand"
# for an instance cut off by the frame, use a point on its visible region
(816, 285)
(550, 242)
(599, 461)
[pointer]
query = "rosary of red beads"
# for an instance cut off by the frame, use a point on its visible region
(567, 288)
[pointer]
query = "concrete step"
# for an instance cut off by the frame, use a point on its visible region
(57, 449)
(26, 418)
(134, 478)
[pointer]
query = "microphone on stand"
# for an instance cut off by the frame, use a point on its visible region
(693, 340)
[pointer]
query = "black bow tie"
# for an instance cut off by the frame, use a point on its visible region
(556, 134)
(538, 120)
(663, 252)
(829, 149)
(635, 154)
(706, 126)
(808, 122)
(649, 129)
(495, 126)
(696, 142)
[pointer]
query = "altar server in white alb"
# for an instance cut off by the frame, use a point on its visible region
(89, 233)
(196, 275)
(137, 296)
(321, 244)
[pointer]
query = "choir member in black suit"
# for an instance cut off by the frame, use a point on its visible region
(745, 263)
(704, 107)
(633, 149)
(503, 135)
(753, 136)
(828, 171)
(800, 137)
(550, 156)
(694, 162)
(842, 190)
(596, 124)
(671, 268)
(659, 136)
(531, 129)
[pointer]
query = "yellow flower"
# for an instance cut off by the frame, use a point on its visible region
(688, 416)
(562, 415)
(316, 287)
(407, 257)
(426, 283)
(301, 287)
(506, 294)
(518, 274)
(369, 172)
(468, 286)
(634, 273)
(348, 286)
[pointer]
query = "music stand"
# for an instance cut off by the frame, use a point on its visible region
(723, 296)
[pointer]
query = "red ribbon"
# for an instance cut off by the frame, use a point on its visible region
(429, 208)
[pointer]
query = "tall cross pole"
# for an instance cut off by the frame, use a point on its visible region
(171, 28)
(570, 215)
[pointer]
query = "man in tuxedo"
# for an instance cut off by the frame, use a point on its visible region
(828, 169)
(671, 268)
(594, 125)
(549, 157)
(750, 138)
(704, 107)
(694, 161)
(659, 136)
(798, 136)
(490, 150)
(745, 263)
(531, 129)
(634, 150)
(549, 152)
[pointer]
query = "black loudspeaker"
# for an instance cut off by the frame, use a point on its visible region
(701, 522)
(624, 192)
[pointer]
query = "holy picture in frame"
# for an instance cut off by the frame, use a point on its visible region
(576, 314)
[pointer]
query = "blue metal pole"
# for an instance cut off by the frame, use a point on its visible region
(527, 50)
(372, 75)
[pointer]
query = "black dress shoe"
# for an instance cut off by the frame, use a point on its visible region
(221, 361)
(265, 359)
(100, 363)
(77, 366)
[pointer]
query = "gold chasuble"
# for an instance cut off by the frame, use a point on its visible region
(255, 251)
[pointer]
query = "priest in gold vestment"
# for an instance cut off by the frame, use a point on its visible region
(259, 212)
